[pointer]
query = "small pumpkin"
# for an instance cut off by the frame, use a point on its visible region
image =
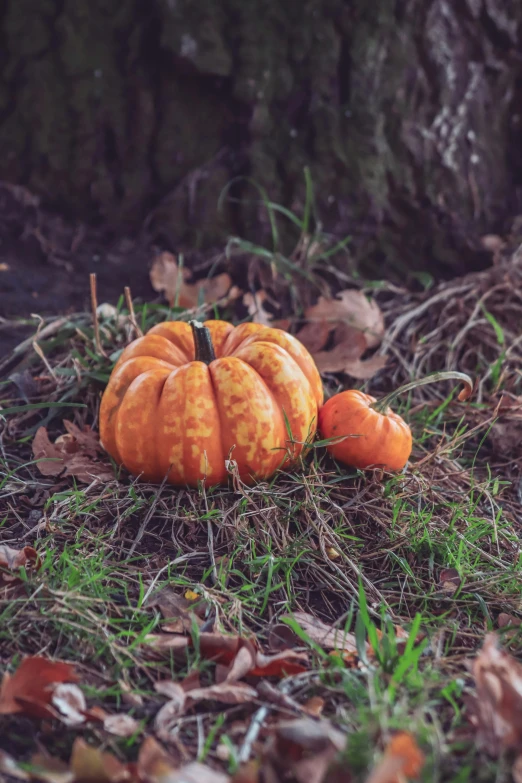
(372, 434)
(185, 398)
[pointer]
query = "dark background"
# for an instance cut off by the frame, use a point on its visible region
(125, 120)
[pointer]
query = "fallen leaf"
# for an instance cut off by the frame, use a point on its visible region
(69, 702)
(497, 710)
(181, 610)
(180, 701)
(196, 773)
(219, 647)
(70, 455)
(508, 620)
(165, 276)
(282, 664)
(242, 664)
(277, 697)
(357, 325)
(345, 355)
(314, 706)
(92, 765)
(223, 650)
(13, 559)
(173, 690)
(353, 308)
(225, 693)
(326, 636)
(29, 689)
(121, 725)
(248, 773)
(255, 304)
(305, 748)
(155, 765)
(449, 581)
(163, 641)
(50, 770)
(402, 760)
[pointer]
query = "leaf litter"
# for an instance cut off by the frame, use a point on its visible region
(75, 453)
(166, 277)
(354, 324)
(439, 486)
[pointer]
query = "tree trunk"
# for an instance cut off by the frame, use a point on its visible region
(408, 113)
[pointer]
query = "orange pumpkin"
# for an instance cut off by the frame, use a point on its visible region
(187, 397)
(372, 434)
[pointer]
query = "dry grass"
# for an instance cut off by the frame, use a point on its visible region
(305, 541)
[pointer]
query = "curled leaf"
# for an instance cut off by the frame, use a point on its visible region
(30, 688)
(166, 276)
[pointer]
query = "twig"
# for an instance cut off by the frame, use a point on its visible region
(252, 733)
(259, 718)
(94, 306)
(130, 308)
(42, 356)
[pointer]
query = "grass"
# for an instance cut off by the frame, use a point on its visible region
(361, 551)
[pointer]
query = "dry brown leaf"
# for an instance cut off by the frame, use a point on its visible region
(357, 324)
(70, 455)
(13, 559)
(165, 276)
(163, 641)
(49, 769)
(121, 725)
(345, 355)
(314, 706)
(224, 692)
(497, 710)
(255, 304)
(223, 650)
(18, 558)
(167, 718)
(282, 664)
(402, 760)
(243, 663)
(305, 748)
(29, 689)
(155, 765)
(353, 308)
(277, 697)
(91, 765)
(180, 609)
(508, 620)
(180, 701)
(325, 635)
(449, 581)
(248, 773)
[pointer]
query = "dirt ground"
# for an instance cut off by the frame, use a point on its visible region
(45, 264)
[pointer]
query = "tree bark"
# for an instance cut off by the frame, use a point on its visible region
(408, 113)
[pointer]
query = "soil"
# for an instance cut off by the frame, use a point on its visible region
(45, 264)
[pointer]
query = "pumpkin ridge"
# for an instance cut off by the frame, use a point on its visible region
(270, 382)
(218, 409)
(276, 403)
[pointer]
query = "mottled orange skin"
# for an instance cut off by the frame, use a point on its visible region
(164, 413)
(384, 440)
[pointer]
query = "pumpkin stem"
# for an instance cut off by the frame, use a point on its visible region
(202, 343)
(382, 405)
